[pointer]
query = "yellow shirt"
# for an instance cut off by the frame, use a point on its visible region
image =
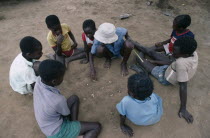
(66, 44)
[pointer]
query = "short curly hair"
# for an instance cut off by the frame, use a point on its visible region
(52, 20)
(51, 69)
(29, 44)
(186, 44)
(140, 85)
(89, 23)
(182, 21)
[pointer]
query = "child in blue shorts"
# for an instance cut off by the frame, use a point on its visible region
(142, 106)
(57, 116)
(178, 71)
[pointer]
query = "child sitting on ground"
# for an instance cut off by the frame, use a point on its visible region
(59, 39)
(180, 25)
(89, 29)
(56, 116)
(109, 43)
(141, 106)
(23, 71)
(179, 71)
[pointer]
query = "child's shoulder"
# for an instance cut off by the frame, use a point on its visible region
(64, 25)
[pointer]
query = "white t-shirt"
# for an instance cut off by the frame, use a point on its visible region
(182, 70)
(22, 75)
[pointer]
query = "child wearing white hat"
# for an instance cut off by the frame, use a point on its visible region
(109, 42)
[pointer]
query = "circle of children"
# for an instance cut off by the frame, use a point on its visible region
(171, 62)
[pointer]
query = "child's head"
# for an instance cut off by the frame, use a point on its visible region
(89, 28)
(140, 86)
(53, 23)
(181, 22)
(31, 48)
(184, 47)
(51, 72)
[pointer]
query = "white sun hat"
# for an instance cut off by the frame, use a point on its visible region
(106, 33)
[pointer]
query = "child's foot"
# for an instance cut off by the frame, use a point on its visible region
(107, 63)
(84, 61)
(136, 68)
(50, 56)
(124, 69)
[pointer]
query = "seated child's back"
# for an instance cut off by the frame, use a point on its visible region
(141, 106)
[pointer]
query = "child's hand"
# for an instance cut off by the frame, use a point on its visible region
(60, 39)
(127, 130)
(158, 44)
(74, 46)
(186, 115)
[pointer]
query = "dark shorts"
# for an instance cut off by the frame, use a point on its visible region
(68, 53)
(159, 73)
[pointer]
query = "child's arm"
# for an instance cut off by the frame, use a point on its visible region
(162, 43)
(125, 128)
(183, 98)
(127, 36)
(92, 69)
(57, 48)
(71, 35)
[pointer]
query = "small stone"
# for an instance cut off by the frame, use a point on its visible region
(87, 84)
(110, 81)
(183, 4)
(119, 91)
(92, 95)
(84, 99)
(111, 95)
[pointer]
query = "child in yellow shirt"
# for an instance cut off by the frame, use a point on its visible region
(59, 38)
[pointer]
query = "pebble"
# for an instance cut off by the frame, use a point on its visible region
(110, 81)
(92, 95)
(111, 95)
(84, 99)
(87, 84)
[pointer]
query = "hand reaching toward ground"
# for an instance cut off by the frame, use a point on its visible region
(127, 130)
(186, 115)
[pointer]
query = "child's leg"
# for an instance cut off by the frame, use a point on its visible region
(78, 54)
(103, 51)
(60, 59)
(73, 104)
(125, 52)
(145, 64)
(90, 129)
(151, 52)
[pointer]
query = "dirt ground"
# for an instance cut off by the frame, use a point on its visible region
(148, 25)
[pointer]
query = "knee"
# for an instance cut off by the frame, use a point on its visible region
(75, 98)
(98, 126)
(128, 45)
(100, 51)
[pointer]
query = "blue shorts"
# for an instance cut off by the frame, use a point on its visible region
(159, 73)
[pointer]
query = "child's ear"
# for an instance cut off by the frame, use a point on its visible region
(28, 54)
(54, 82)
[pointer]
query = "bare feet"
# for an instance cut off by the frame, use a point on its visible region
(124, 69)
(107, 63)
(186, 115)
(84, 61)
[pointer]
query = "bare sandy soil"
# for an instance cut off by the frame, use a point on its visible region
(148, 26)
